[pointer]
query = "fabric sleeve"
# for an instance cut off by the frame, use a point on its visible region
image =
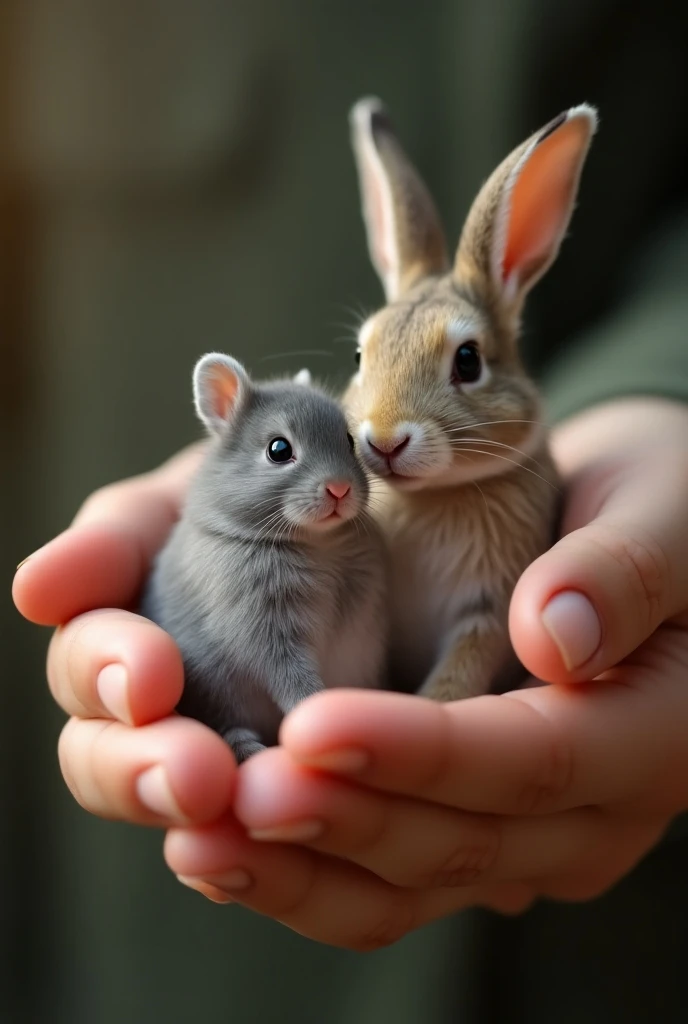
(641, 346)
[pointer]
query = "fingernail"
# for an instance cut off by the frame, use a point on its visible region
(211, 892)
(24, 561)
(296, 832)
(349, 759)
(574, 625)
(154, 791)
(237, 879)
(112, 686)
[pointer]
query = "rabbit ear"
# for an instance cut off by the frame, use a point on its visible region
(405, 237)
(304, 378)
(220, 387)
(516, 225)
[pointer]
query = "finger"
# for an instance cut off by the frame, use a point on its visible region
(211, 892)
(101, 560)
(172, 772)
(83, 568)
(327, 900)
(486, 754)
(537, 750)
(113, 664)
(604, 588)
(418, 844)
(411, 843)
(632, 840)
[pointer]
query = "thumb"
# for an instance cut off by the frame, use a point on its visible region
(604, 588)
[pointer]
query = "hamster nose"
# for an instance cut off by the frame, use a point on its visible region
(387, 447)
(337, 488)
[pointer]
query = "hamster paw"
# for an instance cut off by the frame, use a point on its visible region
(244, 743)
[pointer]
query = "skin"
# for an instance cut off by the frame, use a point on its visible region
(553, 791)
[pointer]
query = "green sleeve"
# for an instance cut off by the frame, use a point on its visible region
(641, 346)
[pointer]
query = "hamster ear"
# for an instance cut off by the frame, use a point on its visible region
(220, 387)
(516, 225)
(405, 237)
(303, 377)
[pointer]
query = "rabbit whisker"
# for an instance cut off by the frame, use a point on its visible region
(513, 462)
(489, 423)
(460, 441)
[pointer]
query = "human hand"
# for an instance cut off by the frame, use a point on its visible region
(322, 897)
(126, 756)
(555, 790)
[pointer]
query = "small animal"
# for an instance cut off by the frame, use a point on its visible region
(446, 416)
(272, 582)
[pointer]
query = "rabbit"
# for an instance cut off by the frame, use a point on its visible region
(446, 417)
(272, 582)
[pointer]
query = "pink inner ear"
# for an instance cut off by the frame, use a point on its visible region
(223, 387)
(541, 200)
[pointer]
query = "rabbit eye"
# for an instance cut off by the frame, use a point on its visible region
(279, 450)
(352, 443)
(357, 357)
(467, 363)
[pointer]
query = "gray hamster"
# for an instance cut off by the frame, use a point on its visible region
(273, 581)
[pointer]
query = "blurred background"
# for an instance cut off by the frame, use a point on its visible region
(175, 177)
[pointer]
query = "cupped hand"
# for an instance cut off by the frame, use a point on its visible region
(422, 809)
(556, 791)
(126, 756)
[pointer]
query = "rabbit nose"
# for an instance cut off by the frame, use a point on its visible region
(338, 489)
(388, 447)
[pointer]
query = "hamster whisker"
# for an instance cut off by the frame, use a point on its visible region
(282, 534)
(269, 524)
(265, 501)
(376, 489)
(289, 533)
(376, 505)
(274, 511)
(271, 540)
(367, 522)
(268, 519)
(260, 506)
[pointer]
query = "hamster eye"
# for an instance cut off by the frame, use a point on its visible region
(279, 450)
(357, 357)
(352, 443)
(467, 363)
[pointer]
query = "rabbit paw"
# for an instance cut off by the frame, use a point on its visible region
(447, 688)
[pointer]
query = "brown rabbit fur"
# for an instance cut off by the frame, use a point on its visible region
(446, 416)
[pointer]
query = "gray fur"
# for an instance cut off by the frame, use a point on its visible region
(266, 607)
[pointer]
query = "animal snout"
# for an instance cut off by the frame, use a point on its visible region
(338, 489)
(387, 447)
